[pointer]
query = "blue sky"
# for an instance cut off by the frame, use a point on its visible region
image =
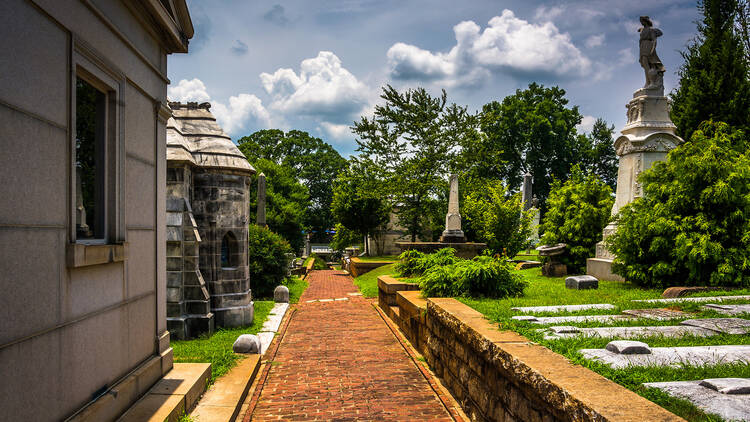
(319, 65)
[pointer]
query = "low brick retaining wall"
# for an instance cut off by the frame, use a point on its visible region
(387, 289)
(501, 376)
(358, 267)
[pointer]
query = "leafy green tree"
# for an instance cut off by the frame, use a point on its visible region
(315, 163)
(692, 226)
(358, 203)
(413, 138)
(531, 131)
(598, 153)
(344, 238)
(579, 209)
(498, 218)
(714, 82)
(286, 201)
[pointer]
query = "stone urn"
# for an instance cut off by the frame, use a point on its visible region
(552, 266)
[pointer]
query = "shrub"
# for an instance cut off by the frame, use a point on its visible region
(579, 209)
(267, 261)
(483, 276)
(344, 238)
(498, 219)
(415, 263)
(692, 226)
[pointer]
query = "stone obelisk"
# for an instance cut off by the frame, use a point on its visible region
(647, 137)
(260, 218)
(453, 232)
(526, 195)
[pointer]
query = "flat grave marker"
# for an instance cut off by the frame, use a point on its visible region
(672, 331)
(728, 309)
(656, 314)
(562, 308)
(731, 404)
(672, 356)
(721, 325)
(571, 319)
(693, 299)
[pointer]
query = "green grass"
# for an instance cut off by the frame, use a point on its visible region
(380, 258)
(533, 255)
(296, 287)
(552, 291)
(217, 349)
(368, 282)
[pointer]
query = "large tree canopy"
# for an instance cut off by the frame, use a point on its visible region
(316, 164)
(714, 82)
(413, 138)
(534, 131)
(286, 201)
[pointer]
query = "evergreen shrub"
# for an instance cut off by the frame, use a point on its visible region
(579, 209)
(267, 260)
(498, 219)
(692, 226)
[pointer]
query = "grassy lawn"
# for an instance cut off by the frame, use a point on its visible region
(368, 282)
(380, 258)
(217, 349)
(552, 291)
(296, 287)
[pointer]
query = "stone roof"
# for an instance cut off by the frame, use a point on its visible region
(194, 137)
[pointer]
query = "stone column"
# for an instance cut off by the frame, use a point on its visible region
(261, 209)
(453, 232)
(308, 246)
(526, 196)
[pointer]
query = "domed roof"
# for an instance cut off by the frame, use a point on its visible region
(193, 136)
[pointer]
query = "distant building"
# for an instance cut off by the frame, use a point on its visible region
(208, 211)
(83, 112)
(384, 242)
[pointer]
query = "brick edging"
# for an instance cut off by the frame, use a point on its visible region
(446, 399)
(275, 343)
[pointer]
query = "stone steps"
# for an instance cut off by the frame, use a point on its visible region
(175, 394)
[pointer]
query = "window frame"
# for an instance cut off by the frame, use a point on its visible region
(92, 67)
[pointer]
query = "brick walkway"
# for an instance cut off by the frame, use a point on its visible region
(339, 361)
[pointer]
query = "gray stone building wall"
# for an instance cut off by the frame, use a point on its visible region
(80, 316)
(212, 179)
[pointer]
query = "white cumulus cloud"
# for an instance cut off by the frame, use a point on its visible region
(336, 131)
(507, 45)
(322, 88)
(594, 41)
(243, 112)
(189, 90)
(587, 123)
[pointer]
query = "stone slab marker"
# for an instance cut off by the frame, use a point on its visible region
(453, 232)
(726, 397)
(261, 211)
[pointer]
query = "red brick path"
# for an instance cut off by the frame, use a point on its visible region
(339, 361)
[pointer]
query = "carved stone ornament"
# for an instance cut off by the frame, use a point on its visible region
(656, 142)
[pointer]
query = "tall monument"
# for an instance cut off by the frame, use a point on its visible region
(453, 232)
(260, 217)
(646, 138)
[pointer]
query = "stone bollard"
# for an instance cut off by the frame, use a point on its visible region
(281, 294)
(247, 343)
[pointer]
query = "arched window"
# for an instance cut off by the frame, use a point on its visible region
(229, 251)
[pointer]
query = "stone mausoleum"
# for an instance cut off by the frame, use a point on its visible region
(208, 181)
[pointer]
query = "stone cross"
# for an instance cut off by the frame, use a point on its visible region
(526, 191)
(453, 232)
(261, 212)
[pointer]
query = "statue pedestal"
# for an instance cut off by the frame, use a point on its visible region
(647, 137)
